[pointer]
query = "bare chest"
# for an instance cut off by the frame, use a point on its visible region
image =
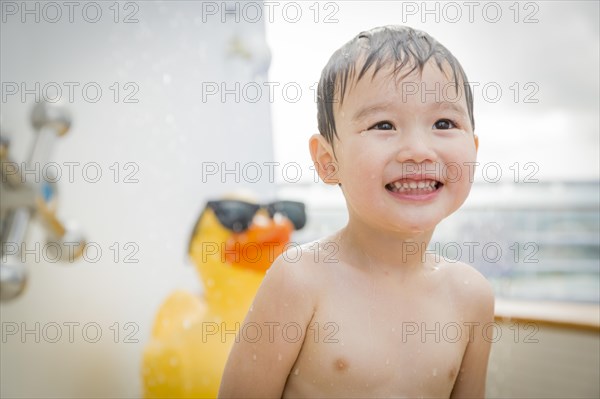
(381, 340)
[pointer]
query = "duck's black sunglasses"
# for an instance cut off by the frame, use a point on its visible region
(237, 215)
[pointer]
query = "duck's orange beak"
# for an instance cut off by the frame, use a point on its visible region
(257, 247)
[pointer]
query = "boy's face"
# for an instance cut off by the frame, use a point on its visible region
(405, 151)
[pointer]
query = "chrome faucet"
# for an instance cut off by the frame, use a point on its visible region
(23, 198)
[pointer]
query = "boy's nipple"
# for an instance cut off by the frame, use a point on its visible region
(341, 364)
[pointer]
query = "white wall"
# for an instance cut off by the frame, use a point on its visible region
(168, 134)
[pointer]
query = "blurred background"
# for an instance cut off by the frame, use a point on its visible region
(174, 103)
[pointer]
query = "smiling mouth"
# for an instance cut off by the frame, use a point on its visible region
(414, 187)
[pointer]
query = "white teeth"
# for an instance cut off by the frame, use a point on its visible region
(422, 185)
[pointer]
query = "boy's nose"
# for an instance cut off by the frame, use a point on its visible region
(416, 147)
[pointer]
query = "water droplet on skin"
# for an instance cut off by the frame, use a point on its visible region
(254, 357)
(434, 372)
(297, 371)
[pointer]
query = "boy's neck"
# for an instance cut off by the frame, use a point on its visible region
(402, 251)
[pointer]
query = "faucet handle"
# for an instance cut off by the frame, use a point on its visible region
(51, 115)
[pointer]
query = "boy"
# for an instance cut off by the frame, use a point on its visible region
(374, 314)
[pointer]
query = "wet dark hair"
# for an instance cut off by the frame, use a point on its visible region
(399, 46)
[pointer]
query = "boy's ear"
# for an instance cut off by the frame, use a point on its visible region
(476, 139)
(322, 156)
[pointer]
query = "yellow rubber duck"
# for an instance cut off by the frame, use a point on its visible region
(232, 245)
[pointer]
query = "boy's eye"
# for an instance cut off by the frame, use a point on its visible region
(444, 124)
(382, 126)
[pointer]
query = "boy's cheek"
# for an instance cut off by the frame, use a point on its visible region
(468, 173)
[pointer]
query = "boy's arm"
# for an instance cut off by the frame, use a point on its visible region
(260, 362)
(470, 382)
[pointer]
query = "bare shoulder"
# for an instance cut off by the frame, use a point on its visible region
(304, 260)
(288, 296)
(298, 270)
(468, 279)
(470, 288)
